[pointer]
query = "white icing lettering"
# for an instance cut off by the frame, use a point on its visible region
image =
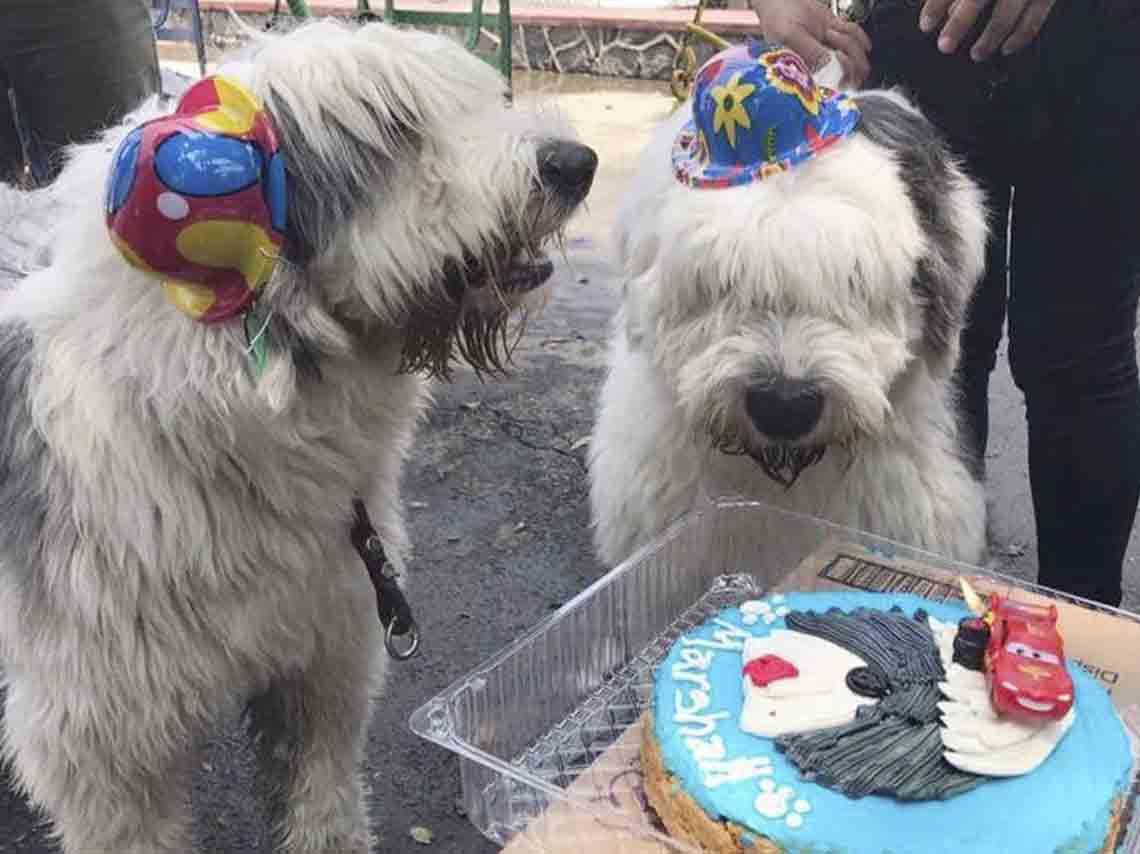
(700, 702)
(698, 679)
(704, 750)
(700, 726)
(736, 770)
(695, 724)
(690, 714)
(730, 638)
(694, 660)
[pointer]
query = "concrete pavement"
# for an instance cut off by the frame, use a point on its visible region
(496, 491)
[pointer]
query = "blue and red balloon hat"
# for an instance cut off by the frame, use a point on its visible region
(199, 199)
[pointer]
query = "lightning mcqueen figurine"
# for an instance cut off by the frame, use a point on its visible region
(1024, 662)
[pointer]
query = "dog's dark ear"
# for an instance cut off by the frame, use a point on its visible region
(333, 168)
(951, 211)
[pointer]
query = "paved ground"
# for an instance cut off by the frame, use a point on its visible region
(497, 492)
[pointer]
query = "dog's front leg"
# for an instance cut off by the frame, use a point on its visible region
(110, 774)
(645, 471)
(309, 730)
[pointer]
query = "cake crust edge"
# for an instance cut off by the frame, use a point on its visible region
(683, 817)
(686, 820)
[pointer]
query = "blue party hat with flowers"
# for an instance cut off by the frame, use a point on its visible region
(757, 112)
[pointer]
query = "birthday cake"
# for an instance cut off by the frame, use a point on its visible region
(869, 723)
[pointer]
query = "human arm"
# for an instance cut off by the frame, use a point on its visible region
(809, 29)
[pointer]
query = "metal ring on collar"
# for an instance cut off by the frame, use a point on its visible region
(394, 648)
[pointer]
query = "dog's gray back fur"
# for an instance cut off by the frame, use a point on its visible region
(927, 169)
(24, 218)
(22, 456)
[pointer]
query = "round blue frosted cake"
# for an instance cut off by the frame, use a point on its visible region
(869, 723)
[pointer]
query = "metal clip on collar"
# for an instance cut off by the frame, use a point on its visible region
(391, 606)
(393, 648)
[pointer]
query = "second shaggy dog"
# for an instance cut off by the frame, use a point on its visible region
(789, 325)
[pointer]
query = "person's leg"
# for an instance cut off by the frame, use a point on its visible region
(1076, 279)
(11, 157)
(77, 66)
(983, 331)
(961, 98)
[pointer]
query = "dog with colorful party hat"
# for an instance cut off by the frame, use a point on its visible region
(797, 265)
(215, 345)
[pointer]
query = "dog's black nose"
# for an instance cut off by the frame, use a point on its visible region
(567, 168)
(784, 409)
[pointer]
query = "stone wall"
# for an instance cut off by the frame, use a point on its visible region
(608, 52)
(574, 49)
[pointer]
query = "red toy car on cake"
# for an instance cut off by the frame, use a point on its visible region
(1025, 662)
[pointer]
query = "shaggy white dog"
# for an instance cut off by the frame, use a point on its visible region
(792, 341)
(174, 532)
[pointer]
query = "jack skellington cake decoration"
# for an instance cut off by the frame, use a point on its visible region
(899, 703)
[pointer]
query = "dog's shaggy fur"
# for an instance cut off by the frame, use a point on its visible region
(174, 530)
(792, 341)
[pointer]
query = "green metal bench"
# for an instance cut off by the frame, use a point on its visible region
(473, 23)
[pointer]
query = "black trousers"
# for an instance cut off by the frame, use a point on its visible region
(1059, 125)
(75, 66)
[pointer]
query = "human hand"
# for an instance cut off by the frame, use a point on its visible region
(1013, 24)
(809, 28)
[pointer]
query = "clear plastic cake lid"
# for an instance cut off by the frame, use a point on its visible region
(548, 730)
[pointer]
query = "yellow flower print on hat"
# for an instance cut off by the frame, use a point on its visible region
(730, 110)
(787, 72)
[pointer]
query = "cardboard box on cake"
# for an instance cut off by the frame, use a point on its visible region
(594, 799)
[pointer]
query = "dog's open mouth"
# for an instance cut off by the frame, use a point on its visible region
(506, 271)
(781, 462)
(472, 321)
(785, 463)
(527, 272)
